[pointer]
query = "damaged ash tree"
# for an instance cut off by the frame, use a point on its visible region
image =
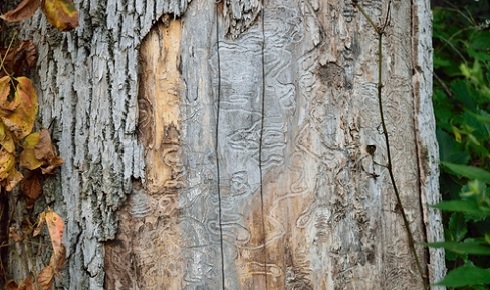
(238, 144)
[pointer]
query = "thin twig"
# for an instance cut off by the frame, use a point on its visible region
(443, 85)
(2, 59)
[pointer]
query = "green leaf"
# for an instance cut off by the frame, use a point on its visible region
(441, 62)
(466, 275)
(483, 117)
(478, 287)
(457, 227)
(450, 150)
(465, 93)
(470, 172)
(464, 206)
(479, 42)
(471, 247)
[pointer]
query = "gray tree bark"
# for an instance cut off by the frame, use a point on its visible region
(223, 145)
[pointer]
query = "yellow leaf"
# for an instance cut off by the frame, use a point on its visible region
(31, 141)
(2, 131)
(27, 158)
(7, 161)
(6, 139)
(19, 114)
(4, 88)
(62, 14)
(39, 152)
(12, 179)
(9, 176)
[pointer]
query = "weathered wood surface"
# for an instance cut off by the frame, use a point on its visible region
(427, 147)
(248, 169)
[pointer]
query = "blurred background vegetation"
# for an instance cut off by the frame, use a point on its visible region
(461, 40)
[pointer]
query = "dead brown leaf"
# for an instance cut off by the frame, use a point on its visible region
(40, 223)
(45, 150)
(56, 227)
(57, 260)
(31, 188)
(11, 285)
(24, 10)
(25, 284)
(19, 59)
(45, 278)
(15, 235)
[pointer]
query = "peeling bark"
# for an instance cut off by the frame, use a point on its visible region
(239, 15)
(232, 146)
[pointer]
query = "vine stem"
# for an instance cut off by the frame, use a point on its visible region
(2, 59)
(380, 31)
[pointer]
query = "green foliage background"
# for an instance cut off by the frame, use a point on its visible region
(461, 39)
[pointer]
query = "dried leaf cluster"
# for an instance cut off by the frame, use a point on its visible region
(62, 14)
(26, 156)
(45, 278)
(18, 111)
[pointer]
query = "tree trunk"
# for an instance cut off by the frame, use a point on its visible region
(230, 145)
